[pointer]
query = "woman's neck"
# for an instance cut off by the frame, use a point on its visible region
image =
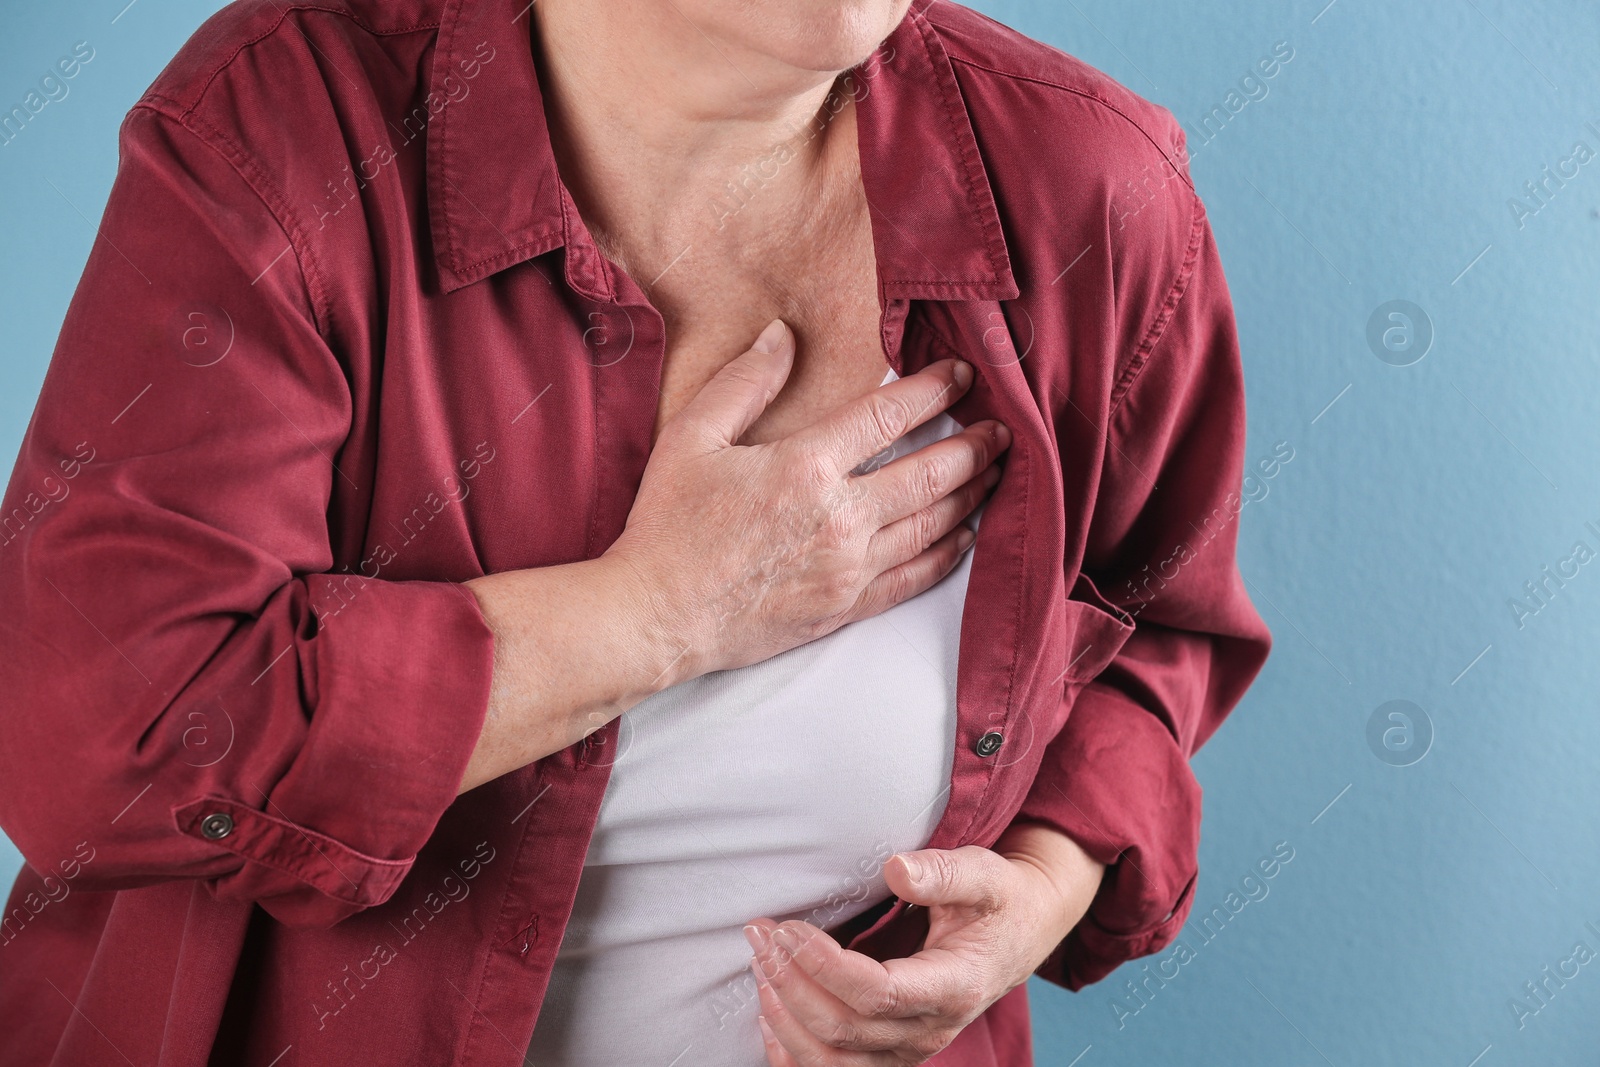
(652, 117)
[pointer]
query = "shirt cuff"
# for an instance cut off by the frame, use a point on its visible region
(1115, 781)
(400, 686)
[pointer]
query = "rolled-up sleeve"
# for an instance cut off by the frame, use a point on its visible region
(187, 685)
(1161, 546)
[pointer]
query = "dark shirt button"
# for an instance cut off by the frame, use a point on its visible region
(217, 826)
(989, 744)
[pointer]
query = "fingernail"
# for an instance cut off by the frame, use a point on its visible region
(759, 968)
(963, 373)
(766, 1030)
(786, 940)
(1002, 435)
(771, 338)
(991, 475)
(964, 537)
(756, 936)
(913, 869)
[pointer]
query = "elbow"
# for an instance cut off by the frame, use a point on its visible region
(62, 837)
(59, 851)
(97, 815)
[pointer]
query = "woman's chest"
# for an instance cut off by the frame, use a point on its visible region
(564, 426)
(776, 789)
(824, 287)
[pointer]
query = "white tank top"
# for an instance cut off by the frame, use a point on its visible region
(776, 790)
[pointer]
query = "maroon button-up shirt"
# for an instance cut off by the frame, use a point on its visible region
(345, 343)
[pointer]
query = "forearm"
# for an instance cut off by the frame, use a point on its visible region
(576, 645)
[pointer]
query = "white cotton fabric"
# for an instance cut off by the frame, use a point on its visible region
(775, 790)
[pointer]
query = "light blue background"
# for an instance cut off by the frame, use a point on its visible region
(1377, 167)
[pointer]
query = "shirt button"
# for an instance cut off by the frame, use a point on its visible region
(217, 826)
(989, 744)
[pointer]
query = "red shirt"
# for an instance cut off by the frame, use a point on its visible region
(345, 343)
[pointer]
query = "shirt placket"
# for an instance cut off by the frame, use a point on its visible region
(988, 653)
(617, 338)
(995, 639)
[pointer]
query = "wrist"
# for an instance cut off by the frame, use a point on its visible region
(1069, 877)
(662, 632)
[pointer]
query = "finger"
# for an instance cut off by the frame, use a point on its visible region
(941, 986)
(925, 990)
(912, 482)
(827, 1017)
(903, 540)
(901, 583)
(862, 428)
(905, 581)
(777, 1055)
(970, 875)
(859, 983)
(727, 405)
(804, 1047)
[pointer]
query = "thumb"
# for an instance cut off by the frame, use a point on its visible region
(965, 875)
(736, 395)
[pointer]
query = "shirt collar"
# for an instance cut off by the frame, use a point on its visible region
(495, 198)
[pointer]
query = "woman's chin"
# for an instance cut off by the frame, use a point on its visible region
(819, 35)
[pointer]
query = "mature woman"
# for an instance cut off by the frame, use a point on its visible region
(437, 634)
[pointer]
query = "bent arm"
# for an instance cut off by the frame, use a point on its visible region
(1117, 778)
(188, 688)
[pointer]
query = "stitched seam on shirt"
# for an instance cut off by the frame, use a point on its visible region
(235, 157)
(955, 352)
(363, 895)
(1108, 105)
(376, 875)
(1016, 650)
(994, 240)
(607, 291)
(505, 910)
(595, 492)
(447, 192)
(519, 253)
(943, 282)
(436, 160)
(1158, 328)
(282, 18)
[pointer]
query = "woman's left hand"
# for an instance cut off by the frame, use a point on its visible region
(993, 918)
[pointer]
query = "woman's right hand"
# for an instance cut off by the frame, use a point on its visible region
(732, 554)
(744, 552)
